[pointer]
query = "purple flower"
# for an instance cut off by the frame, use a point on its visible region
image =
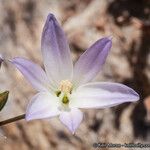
(1, 59)
(62, 88)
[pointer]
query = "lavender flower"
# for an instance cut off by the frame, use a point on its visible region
(62, 88)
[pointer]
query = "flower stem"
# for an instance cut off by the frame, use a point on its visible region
(2, 123)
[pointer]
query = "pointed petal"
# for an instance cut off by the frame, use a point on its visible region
(101, 95)
(71, 119)
(43, 105)
(91, 61)
(56, 52)
(32, 72)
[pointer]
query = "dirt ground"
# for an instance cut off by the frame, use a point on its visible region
(84, 21)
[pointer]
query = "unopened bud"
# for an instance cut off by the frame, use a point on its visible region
(3, 99)
(1, 59)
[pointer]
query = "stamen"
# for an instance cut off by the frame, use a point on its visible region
(65, 86)
(63, 92)
(58, 93)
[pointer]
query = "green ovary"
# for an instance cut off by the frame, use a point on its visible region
(64, 90)
(65, 99)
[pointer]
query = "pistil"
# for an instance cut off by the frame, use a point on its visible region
(64, 91)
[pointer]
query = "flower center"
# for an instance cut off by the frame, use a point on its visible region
(64, 91)
(65, 86)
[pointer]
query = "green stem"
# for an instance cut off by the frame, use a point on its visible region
(2, 123)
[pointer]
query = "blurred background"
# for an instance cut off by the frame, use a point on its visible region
(84, 22)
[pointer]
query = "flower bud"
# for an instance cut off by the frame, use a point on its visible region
(3, 99)
(1, 59)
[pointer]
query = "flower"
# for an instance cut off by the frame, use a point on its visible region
(1, 59)
(64, 89)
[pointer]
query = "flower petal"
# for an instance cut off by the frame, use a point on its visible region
(1, 59)
(101, 95)
(32, 72)
(71, 119)
(43, 105)
(91, 61)
(56, 52)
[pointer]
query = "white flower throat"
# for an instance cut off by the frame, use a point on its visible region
(64, 91)
(65, 86)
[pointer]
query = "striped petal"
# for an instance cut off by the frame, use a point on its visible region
(43, 105)
(33, 73)
(71, 119)
(91, 61)
(102, 95)
(56, 52)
